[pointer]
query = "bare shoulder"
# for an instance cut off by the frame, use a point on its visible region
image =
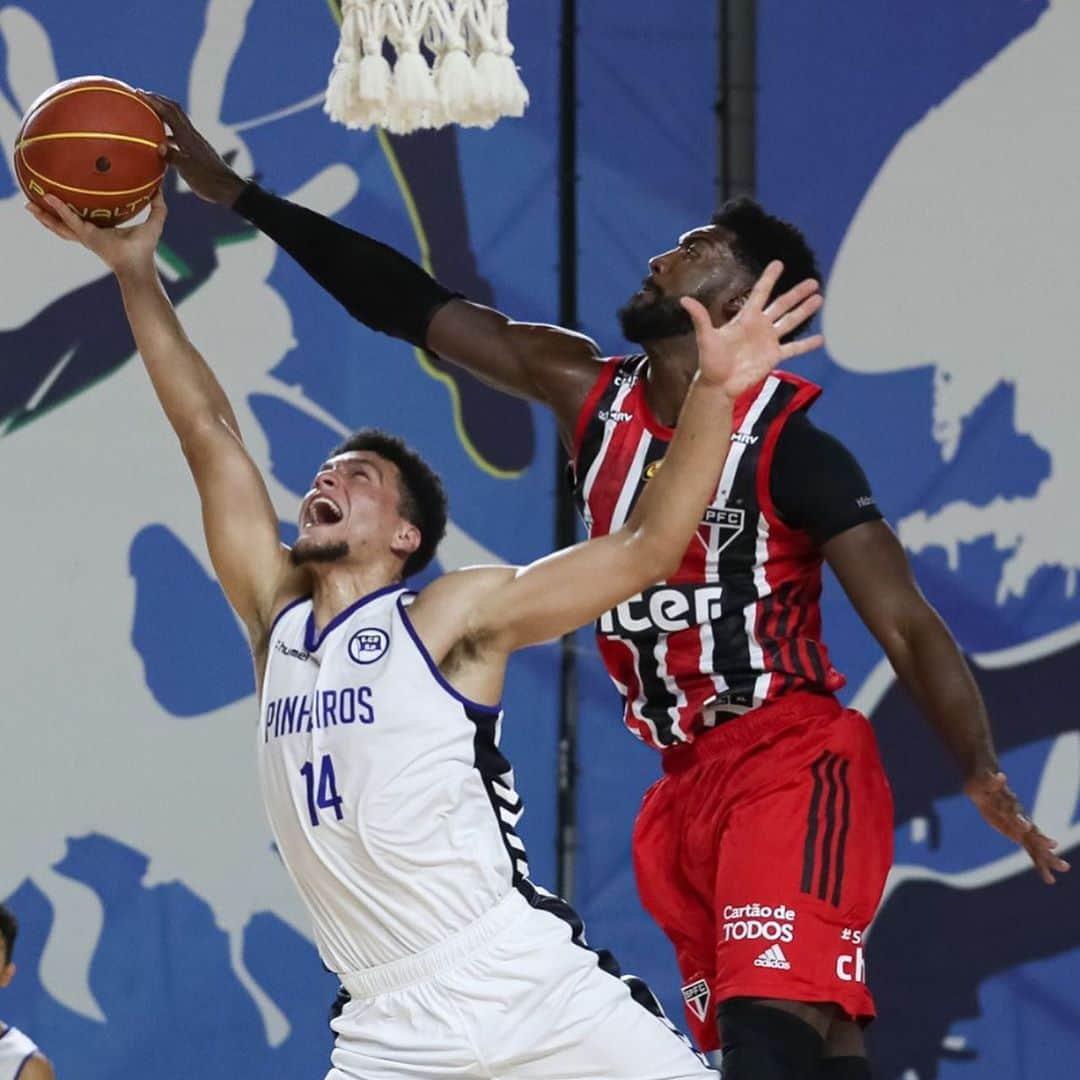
(37, 1067)
(442, 613)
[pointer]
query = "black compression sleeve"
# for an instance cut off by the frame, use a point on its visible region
(816, 483)
(376, 284)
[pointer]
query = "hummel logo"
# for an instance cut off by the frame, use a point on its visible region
(296, 654)
(773, 957)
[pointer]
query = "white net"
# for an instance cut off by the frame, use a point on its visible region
(473, 80)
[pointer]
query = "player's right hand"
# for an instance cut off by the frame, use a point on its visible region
(202, 167)
(739, 354)
(1000, 807)
(123, 250)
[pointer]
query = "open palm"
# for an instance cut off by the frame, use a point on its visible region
(739, 354)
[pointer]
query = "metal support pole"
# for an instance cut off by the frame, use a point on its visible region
(737, 99)
(565, 527)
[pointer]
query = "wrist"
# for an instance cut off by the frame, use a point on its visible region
(716, 388)
(136, 271)
(227, 189)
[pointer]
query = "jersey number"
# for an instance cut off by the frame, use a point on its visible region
(326, 797)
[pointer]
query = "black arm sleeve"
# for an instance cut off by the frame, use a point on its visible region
(816, 484)
(376, 284)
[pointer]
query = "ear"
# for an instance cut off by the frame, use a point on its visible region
(7, 973)
(733, 305)
(406, 539)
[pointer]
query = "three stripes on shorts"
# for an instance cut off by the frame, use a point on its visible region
(827, 821)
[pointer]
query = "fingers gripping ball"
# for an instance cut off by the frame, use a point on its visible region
(94, 144)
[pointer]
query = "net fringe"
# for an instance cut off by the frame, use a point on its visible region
(471, 79)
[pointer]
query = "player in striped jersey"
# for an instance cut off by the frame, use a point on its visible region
(391, 805)
(20, 1059)
(773, 799)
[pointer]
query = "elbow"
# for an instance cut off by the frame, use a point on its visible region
(199, 434)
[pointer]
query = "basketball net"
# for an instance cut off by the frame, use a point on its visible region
(473, 80)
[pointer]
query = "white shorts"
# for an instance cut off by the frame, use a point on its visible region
(511, 996)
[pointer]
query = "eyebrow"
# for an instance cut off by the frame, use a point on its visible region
(700, 234)
(372, 461)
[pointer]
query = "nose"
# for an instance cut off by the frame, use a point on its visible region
(658, 264)
(327, 480)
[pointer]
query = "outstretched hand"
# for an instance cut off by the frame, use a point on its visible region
(121, 249)
(739, 354)
(1001, 808)
(202, 167)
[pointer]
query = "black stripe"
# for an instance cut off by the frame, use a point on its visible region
(492, 765)
(813, 650)
(731, 649)
(785, 598)
(605, 960)
(842, 842)
(830, 826)
(810, 845)
(658, 698)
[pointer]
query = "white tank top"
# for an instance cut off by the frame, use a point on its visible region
(391, 805)
(15, 1048)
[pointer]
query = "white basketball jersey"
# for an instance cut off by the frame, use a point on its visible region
(15, 1048)
(388, 798)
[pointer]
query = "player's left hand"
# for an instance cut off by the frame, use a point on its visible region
(998, 804)
(739, 354)
(121, 249)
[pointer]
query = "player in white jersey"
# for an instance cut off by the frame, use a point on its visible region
(20, 1059)
(377, 742)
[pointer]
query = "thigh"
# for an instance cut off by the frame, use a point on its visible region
(801, 869)
(675, 884)
(413, 1034)
(547, 1008)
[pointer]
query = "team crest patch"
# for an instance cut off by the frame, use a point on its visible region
(727, 521)
(368, 645)
(696, 995)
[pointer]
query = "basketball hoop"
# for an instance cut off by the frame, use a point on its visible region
(473, 80)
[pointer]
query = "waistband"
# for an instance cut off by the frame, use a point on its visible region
(398, 974)
(750, 726)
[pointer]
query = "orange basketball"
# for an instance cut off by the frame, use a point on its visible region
(92, 143)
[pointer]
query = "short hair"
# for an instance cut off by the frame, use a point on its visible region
(9, 930)
(423, 498)
(758, 238)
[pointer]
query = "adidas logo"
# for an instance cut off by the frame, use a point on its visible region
(773, 957)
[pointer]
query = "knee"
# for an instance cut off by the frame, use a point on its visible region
(762, 1042)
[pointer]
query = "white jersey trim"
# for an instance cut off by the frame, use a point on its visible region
(437, 675)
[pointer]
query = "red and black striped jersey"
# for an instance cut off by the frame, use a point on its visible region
(739, 623)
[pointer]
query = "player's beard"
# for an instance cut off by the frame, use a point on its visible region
(303, 552)
(651, 319)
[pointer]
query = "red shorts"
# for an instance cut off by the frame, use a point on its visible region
(762, 854)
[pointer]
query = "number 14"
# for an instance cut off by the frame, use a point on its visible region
(327, 796)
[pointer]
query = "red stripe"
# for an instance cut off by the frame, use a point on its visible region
(614, 468)
(618, 658)
(603, 381)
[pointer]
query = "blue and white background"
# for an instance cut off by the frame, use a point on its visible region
(927, 151)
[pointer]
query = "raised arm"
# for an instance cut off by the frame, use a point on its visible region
(383, 289)
(502, 609)
(240, 524)
(870, 564)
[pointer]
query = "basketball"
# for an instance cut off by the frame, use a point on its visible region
(91, 142)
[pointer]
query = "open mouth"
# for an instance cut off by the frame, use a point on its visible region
(322, 511)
